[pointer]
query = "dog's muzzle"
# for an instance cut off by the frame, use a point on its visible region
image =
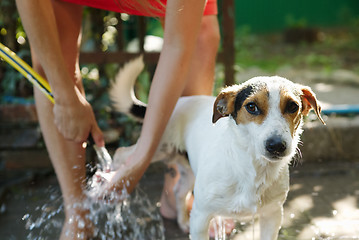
(276, 147)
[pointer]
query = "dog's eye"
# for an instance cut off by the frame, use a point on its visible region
(252, 108)
(292, 107)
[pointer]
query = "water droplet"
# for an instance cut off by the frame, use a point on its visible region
(25, 217)
(81, 235)
(76, 167)
(81, 224)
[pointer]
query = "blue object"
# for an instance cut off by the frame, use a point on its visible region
(341, 109)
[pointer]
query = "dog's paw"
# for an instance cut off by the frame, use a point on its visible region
(183, 220)
(183, 224)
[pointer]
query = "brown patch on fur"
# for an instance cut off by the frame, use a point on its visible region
(310, 101)
(293, 119)
(224, 104)
(261, 100)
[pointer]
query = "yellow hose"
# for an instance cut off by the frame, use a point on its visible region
(29, 73)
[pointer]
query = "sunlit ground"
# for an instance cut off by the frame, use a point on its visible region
(320, 205)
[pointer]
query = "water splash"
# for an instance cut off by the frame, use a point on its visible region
(124, 216)
(133, 218)
(119, 216)
(45, 219)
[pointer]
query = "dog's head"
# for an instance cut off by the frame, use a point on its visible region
(269, 111)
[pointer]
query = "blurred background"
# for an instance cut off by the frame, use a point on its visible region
(315, 43)
(267, 37)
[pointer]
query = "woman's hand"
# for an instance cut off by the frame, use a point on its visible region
(75, 119)
(128, 168)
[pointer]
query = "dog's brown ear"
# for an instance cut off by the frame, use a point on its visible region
(224, 104)
(309, 101)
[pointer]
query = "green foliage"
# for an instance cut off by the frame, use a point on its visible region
(10, 81)
(100, 32)
(269, 52)
(254, 50)
(142, 86)
(13, 84)
(292, 22)
(154, 27)
(130, 130)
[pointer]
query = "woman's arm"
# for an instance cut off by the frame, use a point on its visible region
(182, 23)
(73, 115)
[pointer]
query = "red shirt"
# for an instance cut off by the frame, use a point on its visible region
(135, 7)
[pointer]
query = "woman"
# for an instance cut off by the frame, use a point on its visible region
(185, 67)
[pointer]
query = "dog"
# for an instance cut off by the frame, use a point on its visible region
(239, 145)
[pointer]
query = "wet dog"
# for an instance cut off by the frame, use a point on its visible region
(239, 145)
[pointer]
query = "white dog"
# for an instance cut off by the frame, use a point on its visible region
(239, 146)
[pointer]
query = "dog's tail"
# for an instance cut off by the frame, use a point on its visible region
(122, 92)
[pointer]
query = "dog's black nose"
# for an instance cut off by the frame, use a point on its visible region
(276, 146)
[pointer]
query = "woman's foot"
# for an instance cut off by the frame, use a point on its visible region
(168, 200)
(77, 225)
(168, 204)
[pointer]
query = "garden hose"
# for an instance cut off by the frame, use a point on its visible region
(30, 74)
(27, 71)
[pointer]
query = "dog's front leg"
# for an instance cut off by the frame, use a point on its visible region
(199, 223)
(183, 187)
(270, 221)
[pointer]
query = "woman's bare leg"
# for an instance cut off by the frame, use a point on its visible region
(200, 79)
(68, 157)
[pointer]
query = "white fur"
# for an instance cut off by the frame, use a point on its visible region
(229, 181)
(125, 80)
(234, 177)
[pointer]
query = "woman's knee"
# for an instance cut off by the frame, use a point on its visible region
(69, 19)
(209, 36)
